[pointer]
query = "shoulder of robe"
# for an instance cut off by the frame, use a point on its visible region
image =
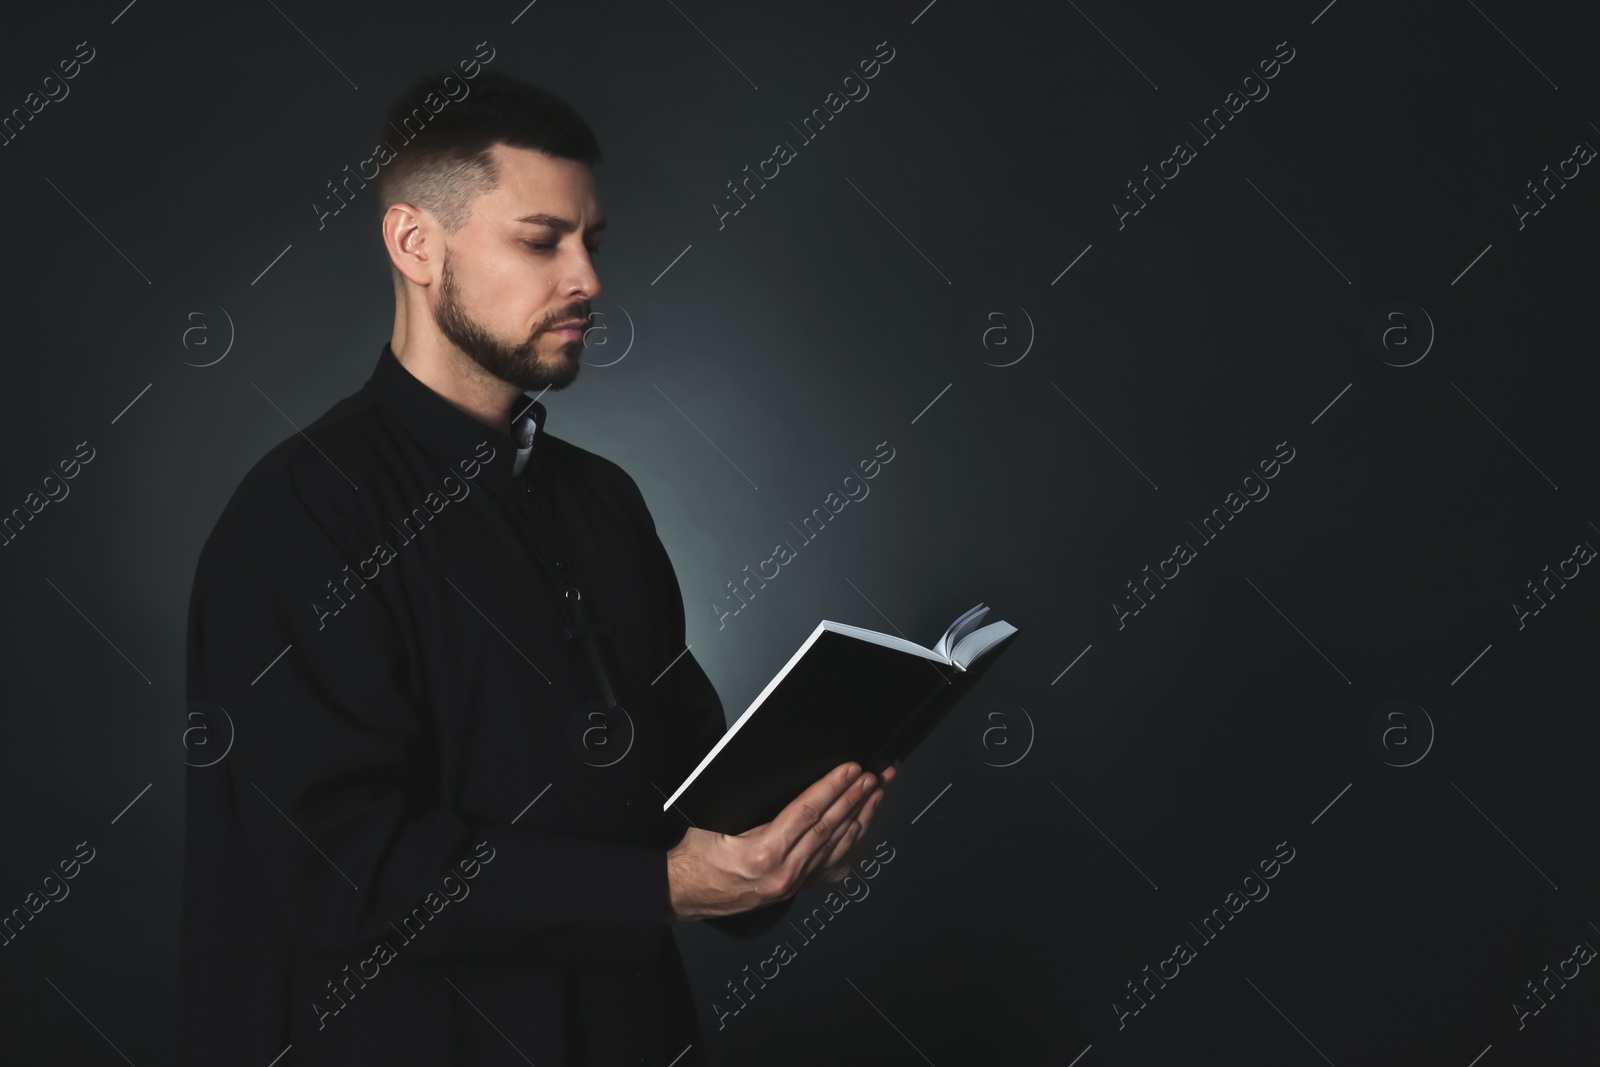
(592, 465)
(315, 474)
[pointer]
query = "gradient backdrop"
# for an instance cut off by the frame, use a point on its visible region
(1354, 270)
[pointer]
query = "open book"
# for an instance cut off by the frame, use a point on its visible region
(847, 694)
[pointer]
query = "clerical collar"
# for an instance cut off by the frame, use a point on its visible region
(450, 433)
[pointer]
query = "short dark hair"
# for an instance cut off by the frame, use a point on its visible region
(445, 161)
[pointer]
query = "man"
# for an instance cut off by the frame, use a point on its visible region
(450, 649)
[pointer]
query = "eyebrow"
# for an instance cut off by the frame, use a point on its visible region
(556, 222)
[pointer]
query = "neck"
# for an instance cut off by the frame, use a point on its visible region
(451, 373)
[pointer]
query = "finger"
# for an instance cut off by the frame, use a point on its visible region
(796, 821)
(845, 822)
(846, 841)
(849, 837)
(868, 810)
(832, 863)
(848, 834)
(838, 853)
(836, 820)
(844, 809)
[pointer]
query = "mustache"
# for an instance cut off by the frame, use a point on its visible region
(567, 315)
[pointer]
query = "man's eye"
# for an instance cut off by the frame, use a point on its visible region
(545, 246)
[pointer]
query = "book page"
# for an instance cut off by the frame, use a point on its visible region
(980, 641)
(874, 638)
(968, 622)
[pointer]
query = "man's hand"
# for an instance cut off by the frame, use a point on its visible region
(809, 843)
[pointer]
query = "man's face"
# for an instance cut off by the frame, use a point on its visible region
(520, 267)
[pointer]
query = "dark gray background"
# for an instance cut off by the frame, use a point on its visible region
(1177, 751)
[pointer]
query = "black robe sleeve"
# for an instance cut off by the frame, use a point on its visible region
(696, 701)
(328, 784)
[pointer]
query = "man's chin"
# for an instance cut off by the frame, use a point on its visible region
(555, 378)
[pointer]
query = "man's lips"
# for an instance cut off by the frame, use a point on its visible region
(569, 331)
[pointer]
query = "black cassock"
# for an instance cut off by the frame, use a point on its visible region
(418, 831)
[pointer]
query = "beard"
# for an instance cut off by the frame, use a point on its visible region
(515, 364)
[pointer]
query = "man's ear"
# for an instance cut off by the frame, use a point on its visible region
(406, 229)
